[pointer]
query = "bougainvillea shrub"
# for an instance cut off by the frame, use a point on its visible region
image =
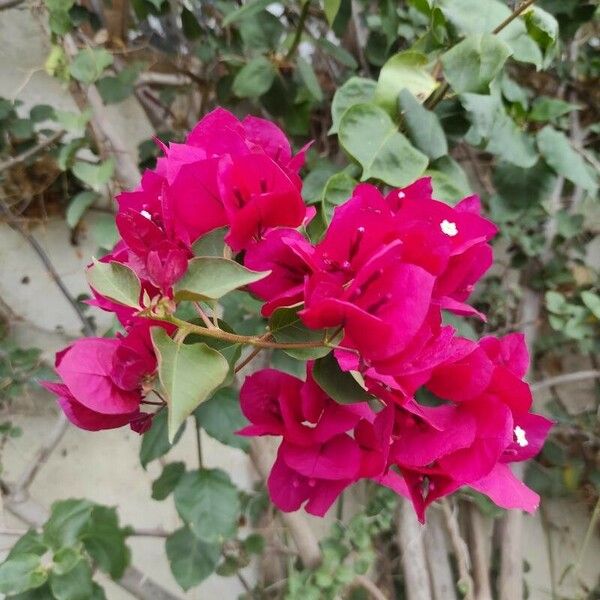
(391, 393)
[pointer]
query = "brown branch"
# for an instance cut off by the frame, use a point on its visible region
(17, 226)
(520, 9)
(461, 550)
(125, 166)
(20, 158)
(370, 587)
(479, 546)
(412, 553)
(4, 4)
(41, 456)
(308, 547)
(565, 378)
(436, 551)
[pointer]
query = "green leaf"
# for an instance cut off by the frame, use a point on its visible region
(42, 112)
(310, 79)
(221, 416)
(191, 559)
(523, 187)
(210, 277)
(67, 519)
(247, 10)
(21, 573)
(449, 181)
(405, 70)
(96, 176)
(189, 373)
(357, 90)
(337, 190)
(169, 478)
(75, 585)
(471, 65)
(104, 231)
(496, 132)
(89, 64)
(104, 541)
(546, 109)
(482, 16)
(78, 205)
(423, 127)
(65, 559)
(287, 328)
(208, 501)
(592, 301)
(337, 53)
(542, 27)
(115, 281)
(560, 155)
(30, 543)
(331, 8)
(370, 136)
(155, 443)
(339, 385)
(73, 122)
(117, 88)
(255, 78)
(211, 243)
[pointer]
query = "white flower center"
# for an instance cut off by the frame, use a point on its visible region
(401, 195)
(521, 437)
(146, 214)
(449, 228)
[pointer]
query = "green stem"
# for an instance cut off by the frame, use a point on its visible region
(299, 31)
(198, 443)
(187, 328)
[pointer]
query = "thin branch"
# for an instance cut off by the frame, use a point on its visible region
(412, 553)
(565, 378)
(24, 156)
(443, 586)
(513, 16)
(299, 31)
(478, 544)
(369, 586)
(16, 225)
(308, 547)
(125, 166)
(461, 550)
(4, 4)
(41, 456)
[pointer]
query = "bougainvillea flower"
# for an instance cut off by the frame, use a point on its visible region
(257, 195)
(83, 417)
(506, 491)
(102, 380)
(194, 202)
(381, 310)
(289, 490)
(290, 258)
(276, 403)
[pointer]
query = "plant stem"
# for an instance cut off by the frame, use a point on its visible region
(299, 31)
(187, 328)
(209, 324)
(198, 442)
(513, 16)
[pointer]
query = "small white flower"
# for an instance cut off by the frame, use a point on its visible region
(146, 214)
(449, 228)
(521, 438)
(401, 195)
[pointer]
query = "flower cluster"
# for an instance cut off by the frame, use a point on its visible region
(444, 411)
